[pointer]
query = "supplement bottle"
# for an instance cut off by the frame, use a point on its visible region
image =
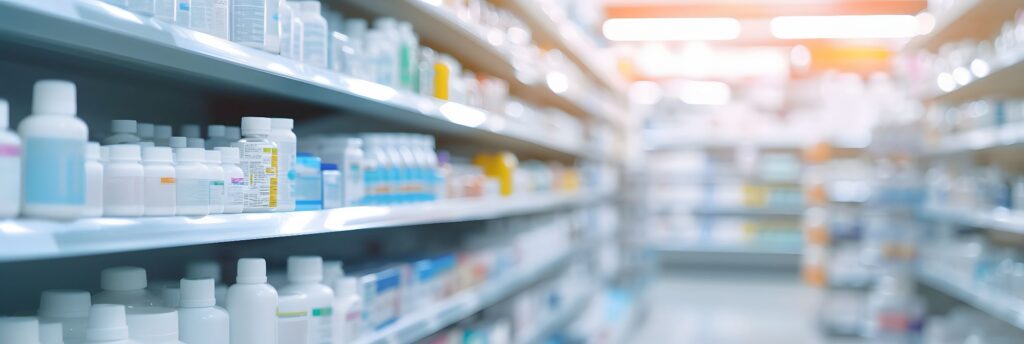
(53, 155)
(252, 305)
(347, 154)
(10, 166)
(107, 325)
(123, 177)
(200, 321)
(348, 310)
(162, 135)
(234, 180)
(50, 333)
(215, 174)
(68, 307)
(215, 137)
(314, 34)
(146, 132)
(193, 189)
(160, 188)
(190, 131)
(281, 134)
(304, 276)
(153, 325)
(293, 319)
(331, 179)
(126, 285)
(259, 162)
(123, 131)
(19, 330)
(308, 183)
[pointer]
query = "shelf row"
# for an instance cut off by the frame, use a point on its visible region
(1002, 81)
(775, 250)
(965, 19)
(998, 220)
(738, 211)
(26, 239)
(979, 139)
(108, 36)
(995, 304)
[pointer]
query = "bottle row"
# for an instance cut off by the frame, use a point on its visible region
(959, 63)
(974, 261)
(975, 115)
(313, 301)
(960, 184)
(143, 170)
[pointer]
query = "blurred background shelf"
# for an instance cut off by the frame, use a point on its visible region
(997, 305)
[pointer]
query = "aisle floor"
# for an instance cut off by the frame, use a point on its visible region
(730, 306)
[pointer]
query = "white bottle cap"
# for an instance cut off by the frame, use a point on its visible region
(124, 153)
(51, 332)
(283, 123)
(205, 268)
(54, 97)
(146, 130)
(332, 272)
(195, 142)
(190, 155)
(158, 154)
(162, 131)
(233, 133)
(106, 323)
(92, 151)
(304, 269)
(197, 293)
(64, 303)
(171, 295)
(190, 130)
(19, 330)
(153, 324)
(255, 126)
(5, 114)
(123, 278)
(229, 155)
(215, 130)
(124, 126)
(251, 271)
(310, 6)
(177, 142)
(212, 157)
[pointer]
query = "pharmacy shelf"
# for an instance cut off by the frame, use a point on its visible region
(777, 250)
(661, 140)
(548, 31)
(768, 256)
(997, 220)
(1002, 81)
(443, 30)
(748, 212)
(979, 139)
(422, 324)
(560, 320)
(996, 304)
(967, 19)
(26, 239)
(104, 35)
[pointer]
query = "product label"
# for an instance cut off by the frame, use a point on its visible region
(216, 192)
(233, 191)
(292, 327)
(54, 171)
(249, 17)
(259, 163)
(321, 325)
(160, 192)
(193, 192)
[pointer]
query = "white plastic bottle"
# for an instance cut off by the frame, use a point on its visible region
(93, 181)
(272, 27)
(53, 158)
(10, 165)
(333, 272)
(51, 333)
(211, 17)
(107, 325)
(408, 53)
(348, 310)
(68, 307)
(332, 192)
(19, 330)
(183, 14)
(145, 132)
(252, 304)
(304, 276)
(160, 182)
(313, 39)
(248, 22)
(286, 141)
(215, 136)
(259, 162)
(193, 189)
(208, 269)
(126, 285)
(215, 174)
(122, 131)
(293, 319)
(347, 153)
(123, 177)
(286, 13)
(234, 180)
(153, 325)
(199, 319)
(355, 30)
(162, 135)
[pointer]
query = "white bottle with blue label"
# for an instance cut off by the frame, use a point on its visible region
(53, 159)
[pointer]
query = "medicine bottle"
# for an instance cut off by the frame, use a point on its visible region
(107, 325)
(160, 186)
(234, 180)
(53, 154)
(259, 162)
(193, 189)
(123, 176)
(215, 174)
(126, 285)
(252, 305)
(281, 134)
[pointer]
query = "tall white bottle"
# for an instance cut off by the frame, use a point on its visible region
(199, 319)
(19, 330)
(348, 310)
(126, 285)
(123, 183)
(193, 189)
(234, 180)
(107, 325)
(259, 162)
(215, 174)
(208, 269)
(304, 276)
(286, 141)
(252, 304)
(10, 165)
(293, 318)
(68, 307)
(153, 325)
(53, 159)
(160, 188)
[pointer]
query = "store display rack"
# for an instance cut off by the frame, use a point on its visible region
(998, 220)
(979, 139)
(995, 304)
(561, 319)
(111, 36)
(27, 239)
(424, 323)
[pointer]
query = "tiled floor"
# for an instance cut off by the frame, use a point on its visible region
(731, 306)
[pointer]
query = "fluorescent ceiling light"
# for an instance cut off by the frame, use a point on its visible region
(845, 27)
(671, 29)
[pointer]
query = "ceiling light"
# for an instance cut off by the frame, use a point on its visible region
(845, 27)
(671, 29)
